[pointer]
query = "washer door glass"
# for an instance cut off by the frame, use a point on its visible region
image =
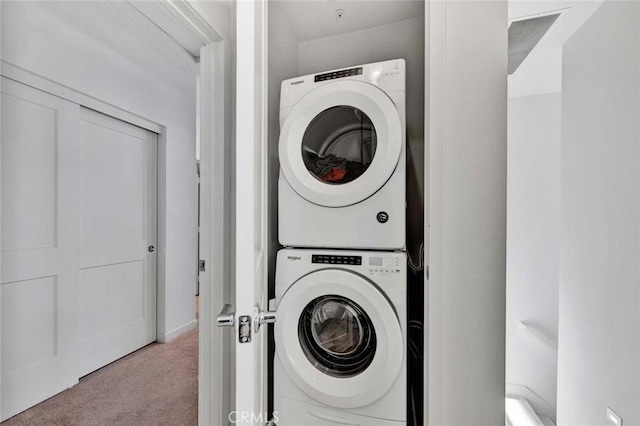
(339, 145)
(337, 336)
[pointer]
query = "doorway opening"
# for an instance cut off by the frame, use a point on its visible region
(537, 34)
(118, 95)
(342, 145)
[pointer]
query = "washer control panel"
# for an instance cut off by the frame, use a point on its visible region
(369, 265)
(336, 260)
(383, 265)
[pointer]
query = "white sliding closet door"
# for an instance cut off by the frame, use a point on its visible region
(39, 283)
(118, 198)
(79, 207)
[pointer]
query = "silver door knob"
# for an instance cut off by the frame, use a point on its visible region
(263, 317)
(226, 317)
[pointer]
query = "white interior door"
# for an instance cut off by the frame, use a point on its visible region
(117, 278)
(251, 214)
(39, 282)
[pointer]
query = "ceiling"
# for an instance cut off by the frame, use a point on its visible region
(541, 70)
(524, 35)
(574, 14)
(179, 21)
(313, 19)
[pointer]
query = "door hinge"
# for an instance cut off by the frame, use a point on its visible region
(203, 265)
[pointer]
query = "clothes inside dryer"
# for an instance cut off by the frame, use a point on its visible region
(339, 144)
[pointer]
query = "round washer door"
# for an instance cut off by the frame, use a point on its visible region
(340, 143)
(339, 338)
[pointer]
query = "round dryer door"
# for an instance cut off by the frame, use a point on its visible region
(339, 338)
(340, 143)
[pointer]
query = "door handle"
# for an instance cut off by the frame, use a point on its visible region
(226, 317)
(263, 317)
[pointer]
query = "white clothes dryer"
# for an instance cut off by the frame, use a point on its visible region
(340, 338)
(342, 155)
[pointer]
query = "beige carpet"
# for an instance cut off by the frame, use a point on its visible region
(156, 385)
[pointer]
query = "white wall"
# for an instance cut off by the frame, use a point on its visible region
(98, 54)
(397, 40)
(533, 227)
(467, 131)
(533, 211)
(541, 72)
(599, 323)
(282, 65)
(1, 40)
(533, 219)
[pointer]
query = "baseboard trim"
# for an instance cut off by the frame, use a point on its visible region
(178, 331)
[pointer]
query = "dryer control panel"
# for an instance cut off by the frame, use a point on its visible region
(337, 74)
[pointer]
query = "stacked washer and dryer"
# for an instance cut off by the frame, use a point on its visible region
(341, 335)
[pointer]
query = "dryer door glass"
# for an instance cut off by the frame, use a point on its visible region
(337, 336)
(339, 145)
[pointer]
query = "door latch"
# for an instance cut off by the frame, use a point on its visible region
(151, 249)
(227, 316)
(244, 329)
(203, 265)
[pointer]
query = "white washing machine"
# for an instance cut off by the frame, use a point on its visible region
(340, 338)
(342, 158)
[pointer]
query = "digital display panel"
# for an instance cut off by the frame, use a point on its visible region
(336, 260)
(338, 74)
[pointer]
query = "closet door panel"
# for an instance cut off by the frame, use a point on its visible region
(39, 280)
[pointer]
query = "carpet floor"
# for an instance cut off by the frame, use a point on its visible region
(156, 385)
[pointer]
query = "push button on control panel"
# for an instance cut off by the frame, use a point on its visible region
(383, 265)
